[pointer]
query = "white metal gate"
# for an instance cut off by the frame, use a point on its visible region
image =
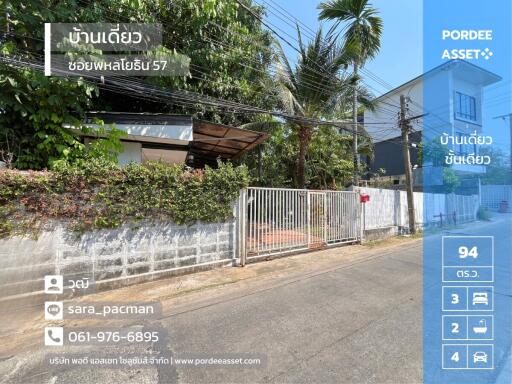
(275, 220)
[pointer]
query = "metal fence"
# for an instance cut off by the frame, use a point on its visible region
(277, 220)
(274, 221)
(494, 195)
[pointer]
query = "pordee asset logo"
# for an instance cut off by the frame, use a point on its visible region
(467, 35)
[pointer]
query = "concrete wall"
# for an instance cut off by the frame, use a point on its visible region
(116, 257)
(386, 212)
(380, 233)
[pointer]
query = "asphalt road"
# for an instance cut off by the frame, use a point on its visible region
(354, 324)
(356, 321)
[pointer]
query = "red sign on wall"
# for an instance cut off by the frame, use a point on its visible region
(364, 198)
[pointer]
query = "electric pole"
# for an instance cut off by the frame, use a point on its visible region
(405, 128)
(510, 135)
(355, 153)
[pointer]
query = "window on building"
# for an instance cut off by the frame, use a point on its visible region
(465, 106)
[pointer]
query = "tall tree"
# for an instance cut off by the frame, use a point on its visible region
(313, 89)
(362, 33)
(219, 38)
(230, 54)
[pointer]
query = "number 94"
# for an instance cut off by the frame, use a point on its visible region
(465, 252)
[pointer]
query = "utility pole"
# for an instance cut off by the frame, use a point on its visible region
(510, 135)
(509, 117)
(405, 128)
(355, 153)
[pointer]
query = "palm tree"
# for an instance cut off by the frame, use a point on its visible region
(312, 89)
(362, 34)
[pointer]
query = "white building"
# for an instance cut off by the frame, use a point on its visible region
(454, 108)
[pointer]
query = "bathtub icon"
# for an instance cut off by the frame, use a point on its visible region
(481, 327)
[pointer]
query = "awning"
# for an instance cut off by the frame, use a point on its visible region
(212, 141)
(203, 141)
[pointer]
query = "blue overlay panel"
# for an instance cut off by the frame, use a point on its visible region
(466, 140)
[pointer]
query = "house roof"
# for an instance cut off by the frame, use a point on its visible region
(479, 74)
(210, 141)
(223, 140)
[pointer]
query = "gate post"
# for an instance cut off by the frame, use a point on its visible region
(242, 219)
(361, 218)
(308, 213)
(325, 218)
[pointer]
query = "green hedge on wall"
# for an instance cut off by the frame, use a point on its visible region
(98, 194)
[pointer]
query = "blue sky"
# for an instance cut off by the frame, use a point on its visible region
(400, 57)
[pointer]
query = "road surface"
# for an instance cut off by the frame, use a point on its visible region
(352, 317)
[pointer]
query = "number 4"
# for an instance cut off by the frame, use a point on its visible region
(455, 357)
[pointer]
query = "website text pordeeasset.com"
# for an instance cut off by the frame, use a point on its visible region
(255, 191)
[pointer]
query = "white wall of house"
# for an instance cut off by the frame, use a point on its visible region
(131, 153)
(445, 82)
(152, 133)
(134, 153)
(440, 102)
(169, 134)
(178, 134)
(382, 124)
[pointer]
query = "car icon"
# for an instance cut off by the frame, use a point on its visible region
(480, 357)
(480, 298)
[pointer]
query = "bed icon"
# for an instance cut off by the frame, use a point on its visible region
(480, 298)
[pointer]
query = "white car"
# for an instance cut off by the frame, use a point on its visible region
(479, 357)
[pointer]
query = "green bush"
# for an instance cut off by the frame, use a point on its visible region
(99, 194)
(483, 213)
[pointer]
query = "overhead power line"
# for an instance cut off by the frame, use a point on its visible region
(245, 109)
(160, 94)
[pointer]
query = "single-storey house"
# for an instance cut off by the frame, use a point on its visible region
(176, 138)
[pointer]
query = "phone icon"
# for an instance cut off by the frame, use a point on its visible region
(54, 336)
